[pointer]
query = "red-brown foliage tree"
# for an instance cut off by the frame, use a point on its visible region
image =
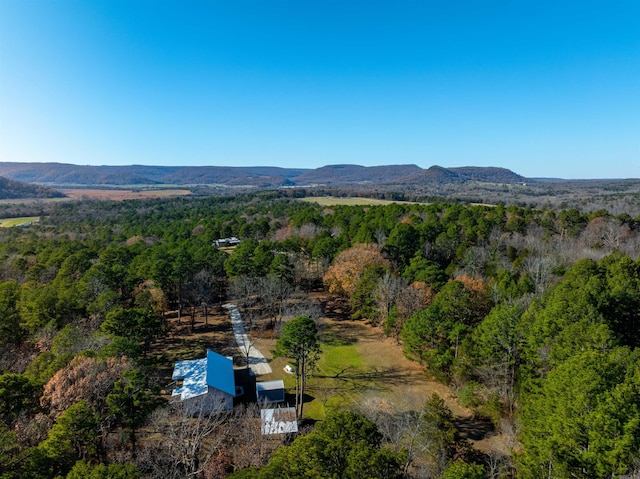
(345, 273)
(85, 378)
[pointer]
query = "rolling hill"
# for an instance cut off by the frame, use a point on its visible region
(66, 175)
(12, 189)
(341, 174)
(438, 175)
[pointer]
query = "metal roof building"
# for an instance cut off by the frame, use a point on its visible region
(279, 420)
(270, 391)
(206, 384)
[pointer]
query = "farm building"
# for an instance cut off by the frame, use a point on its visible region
(222, 242)
(270, 391)
(205, 385)
(278, 420)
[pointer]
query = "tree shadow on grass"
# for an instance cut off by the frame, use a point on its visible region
(194, 347)
(337, 340)
(343, 333)
(199, 327)
(355, 379)
(474, 428)
(336, 309)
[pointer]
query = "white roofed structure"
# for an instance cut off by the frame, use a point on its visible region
(279, 421)
(205, 385)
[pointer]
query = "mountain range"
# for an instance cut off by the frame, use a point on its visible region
(68, 175)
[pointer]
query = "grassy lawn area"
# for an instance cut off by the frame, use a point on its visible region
(334, 378)
(356, 361)
(6, 222)
(340, 375)
(335, 382)
(357, 364)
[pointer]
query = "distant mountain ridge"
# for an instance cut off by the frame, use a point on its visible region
(62, 174)
(490, 174)
(355, 173)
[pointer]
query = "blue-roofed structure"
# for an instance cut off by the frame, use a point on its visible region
(270, 391)
(205, 385)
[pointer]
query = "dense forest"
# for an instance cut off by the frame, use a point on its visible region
(532, 316)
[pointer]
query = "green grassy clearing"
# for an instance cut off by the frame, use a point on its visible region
(338, 380)
(352, 363)
(7, 222)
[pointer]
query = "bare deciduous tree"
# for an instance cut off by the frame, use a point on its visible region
(498, 466)
(182, 446)
(387, 291)
(539, 269)
(303, 306)
(308, 272)
(267, 294)
(245, 444)
(423, 429)
(205, 289)
(414, 297)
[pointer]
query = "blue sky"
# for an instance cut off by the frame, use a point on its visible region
(545, 88)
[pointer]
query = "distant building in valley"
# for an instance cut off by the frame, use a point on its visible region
(223, 242)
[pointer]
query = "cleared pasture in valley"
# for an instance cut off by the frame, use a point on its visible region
(350, 201)
(109, 194)
(123, 194)
(25, 220)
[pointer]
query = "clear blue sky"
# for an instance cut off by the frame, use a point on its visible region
(545, 88)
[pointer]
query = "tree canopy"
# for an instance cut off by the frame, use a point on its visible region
(299, 342)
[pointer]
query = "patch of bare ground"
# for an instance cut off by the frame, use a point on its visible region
(187, 339)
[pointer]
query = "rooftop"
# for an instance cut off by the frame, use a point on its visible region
(270, 385)
(279, 420)
(198, 374)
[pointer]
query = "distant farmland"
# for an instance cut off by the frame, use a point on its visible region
(351, 201)
(7, 222)
(124, 194)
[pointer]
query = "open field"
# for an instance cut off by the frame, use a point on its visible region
(78, 194)
(124, 194)
(7, 222)
(350, 201)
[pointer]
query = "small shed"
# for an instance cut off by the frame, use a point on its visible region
(205, 385)
(270, 391)
(281, 420)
